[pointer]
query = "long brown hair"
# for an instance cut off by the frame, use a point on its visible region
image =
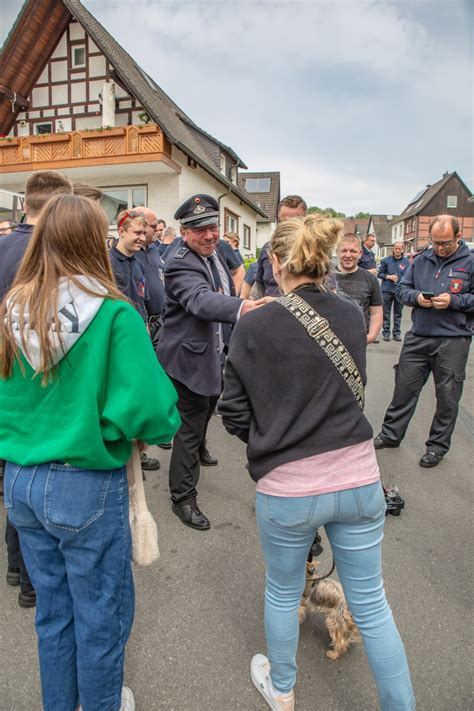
(67, 241)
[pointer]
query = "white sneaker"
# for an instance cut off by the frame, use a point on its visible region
(128, 702)
(260, 673)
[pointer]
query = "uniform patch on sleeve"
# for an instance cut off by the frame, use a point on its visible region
(181, 252)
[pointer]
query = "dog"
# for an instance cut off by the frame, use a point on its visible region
(327, 596)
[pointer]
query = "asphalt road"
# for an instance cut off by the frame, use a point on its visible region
(199, 609)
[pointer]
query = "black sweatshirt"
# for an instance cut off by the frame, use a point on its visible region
(282, 394)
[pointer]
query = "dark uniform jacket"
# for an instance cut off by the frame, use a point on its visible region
(367, 259)
(130, 278)
(153, 269)
(12, 249)
(390, 265)
(455, 276)
(264, 276)
(189, 346)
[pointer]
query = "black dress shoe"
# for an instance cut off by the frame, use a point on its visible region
(206, 459)
(397, 338)
(381, 442)
(149, 463)
(191, 516)
(27, 599)
(166, 445)
(13, 576)
(430, 459)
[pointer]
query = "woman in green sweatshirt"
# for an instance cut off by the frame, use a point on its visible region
(79, 382)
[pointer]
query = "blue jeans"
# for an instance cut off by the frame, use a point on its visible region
(75, 538)
(353, 520)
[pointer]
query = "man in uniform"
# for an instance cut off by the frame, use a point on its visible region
(439, 285)
(153, 269)
(200, 307)
(265, 284)
(367, 257)
(391, 270)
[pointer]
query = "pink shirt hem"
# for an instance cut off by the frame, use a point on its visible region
(340, 469)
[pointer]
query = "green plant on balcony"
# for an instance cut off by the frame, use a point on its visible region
(144, 118)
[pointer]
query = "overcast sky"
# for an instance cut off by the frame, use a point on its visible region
(358, 103)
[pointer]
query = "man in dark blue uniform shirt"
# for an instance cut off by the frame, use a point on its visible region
(153, 269)
(439, 285)
(391, 270)
(200, 303)
(265, 284)
(128, 272)
(367, 258)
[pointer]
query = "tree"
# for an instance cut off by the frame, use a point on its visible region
(328, 211)
(362, 216)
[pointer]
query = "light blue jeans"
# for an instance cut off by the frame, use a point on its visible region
(75, 539)
(353, 520)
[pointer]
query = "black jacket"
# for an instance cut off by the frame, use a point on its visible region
(453, 275)
(12, 249)
(282, 395)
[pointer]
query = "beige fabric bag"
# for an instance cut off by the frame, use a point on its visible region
(144, 531)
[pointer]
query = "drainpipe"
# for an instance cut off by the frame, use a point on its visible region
(227, 192)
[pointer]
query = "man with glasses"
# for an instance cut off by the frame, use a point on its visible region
(439, 286)
(201, 307)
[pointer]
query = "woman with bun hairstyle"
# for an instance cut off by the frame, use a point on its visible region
(79, 382)
(310, 452)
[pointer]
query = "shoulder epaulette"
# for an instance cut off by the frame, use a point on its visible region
(181, 252)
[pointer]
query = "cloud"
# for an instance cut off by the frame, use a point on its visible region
(359, 102)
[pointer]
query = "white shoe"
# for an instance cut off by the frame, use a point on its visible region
(260, 673)
(128, 702)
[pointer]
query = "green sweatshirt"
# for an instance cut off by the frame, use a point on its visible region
(109, 390)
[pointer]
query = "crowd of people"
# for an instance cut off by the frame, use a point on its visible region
(78, 307)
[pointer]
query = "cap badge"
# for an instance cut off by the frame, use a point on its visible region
(197, 199)
(199, 209)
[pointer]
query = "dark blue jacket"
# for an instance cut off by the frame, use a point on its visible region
(388, 266)
(453, 275)
(189, 346)
(153, 268)
(12, 249)
(128, 273)
(264, 277)
(367, 259)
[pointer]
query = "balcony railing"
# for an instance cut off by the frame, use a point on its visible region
(124, 144)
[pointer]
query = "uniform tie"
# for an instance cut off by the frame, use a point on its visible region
(216, 278)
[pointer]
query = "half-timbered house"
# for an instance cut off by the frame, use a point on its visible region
(73, 100)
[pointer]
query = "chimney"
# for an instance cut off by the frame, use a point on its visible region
(108, 103)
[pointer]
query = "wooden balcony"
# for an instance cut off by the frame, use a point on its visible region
(107, 146)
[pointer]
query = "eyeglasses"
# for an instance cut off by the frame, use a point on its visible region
(446, 243)
(133, 214)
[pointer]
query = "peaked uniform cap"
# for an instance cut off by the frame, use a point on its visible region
(198, 211)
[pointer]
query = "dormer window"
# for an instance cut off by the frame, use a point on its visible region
(452, 201)
(78, 57)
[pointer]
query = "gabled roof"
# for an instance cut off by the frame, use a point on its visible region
(268, 201)
(425, 196)
(382, 227)
(176, 125)
(356, 226)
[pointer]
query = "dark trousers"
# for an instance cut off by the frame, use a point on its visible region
(15, 558)
(446, 359)
(389, 298)
(184, 465)
(212, 406)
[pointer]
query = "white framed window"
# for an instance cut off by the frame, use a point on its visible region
(78, 56)
(44, 127)
(452, 201)
(231, 221)
(122, 197)
(247, 237)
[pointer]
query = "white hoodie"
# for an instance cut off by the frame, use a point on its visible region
(76, 310)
